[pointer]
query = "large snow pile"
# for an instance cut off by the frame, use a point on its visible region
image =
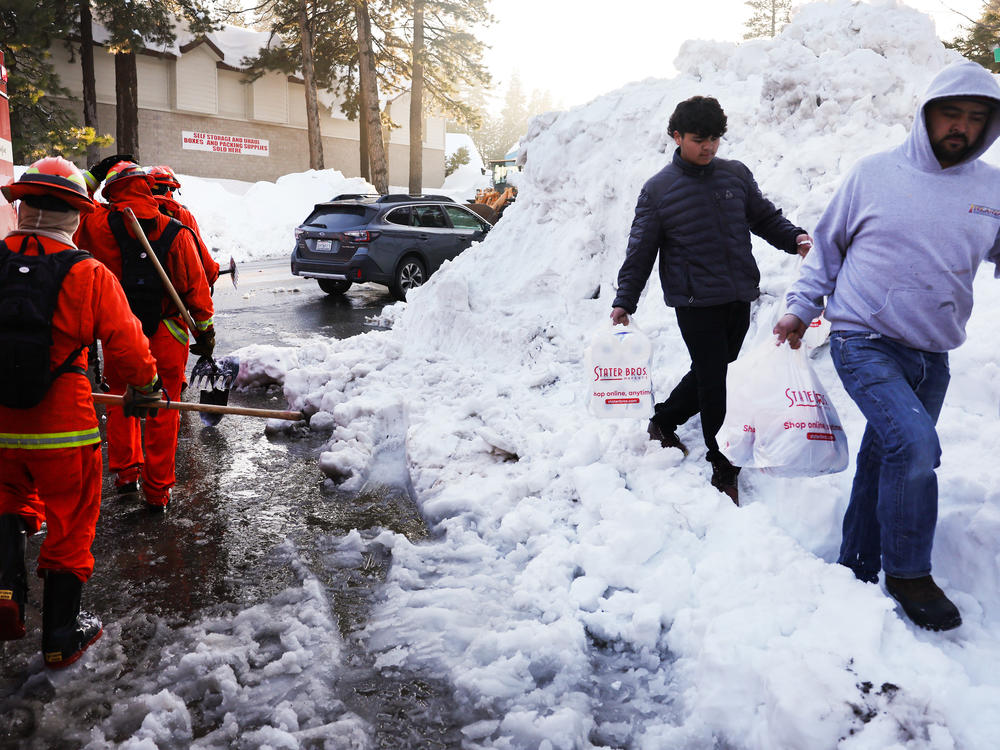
(585, 587)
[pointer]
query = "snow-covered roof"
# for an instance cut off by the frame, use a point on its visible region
(231, 43)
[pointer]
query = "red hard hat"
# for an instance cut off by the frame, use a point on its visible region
(164, 175)
(124, 170)
(52, 176)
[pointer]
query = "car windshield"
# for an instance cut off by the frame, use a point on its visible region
(337, 218)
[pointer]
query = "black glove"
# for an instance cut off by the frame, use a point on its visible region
(100, 170)
(204, 344)
(136, 403)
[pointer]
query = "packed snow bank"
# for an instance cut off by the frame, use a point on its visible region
(254, 221)
(261, 222)
(586, 587)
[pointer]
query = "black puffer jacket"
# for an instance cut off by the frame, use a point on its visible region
(699, 220)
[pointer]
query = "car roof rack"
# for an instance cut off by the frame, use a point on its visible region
(400, 197)
(353, 196)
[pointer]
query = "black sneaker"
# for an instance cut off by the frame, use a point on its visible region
(724, 476)
(128, 491)
(666, 438)
(924, 603)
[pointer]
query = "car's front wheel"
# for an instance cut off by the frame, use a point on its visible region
(334, 286)
(410, 273)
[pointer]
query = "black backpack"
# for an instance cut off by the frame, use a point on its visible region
(142, 284)
(29, 289)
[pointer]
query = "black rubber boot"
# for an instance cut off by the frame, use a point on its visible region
(923, 602)
(13, 576)
(66, 631)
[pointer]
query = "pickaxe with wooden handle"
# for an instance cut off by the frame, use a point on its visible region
(206, 370)
(232, 270)
(168, 285)
(292, 416)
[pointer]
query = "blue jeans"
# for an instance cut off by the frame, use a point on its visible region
(891, 517)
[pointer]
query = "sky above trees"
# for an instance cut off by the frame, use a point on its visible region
(578, 52)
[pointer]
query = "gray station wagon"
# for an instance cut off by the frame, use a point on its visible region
(395, 240)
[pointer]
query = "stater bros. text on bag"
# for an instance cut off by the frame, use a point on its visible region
(618, 371)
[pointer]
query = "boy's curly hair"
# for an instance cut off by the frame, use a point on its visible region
(701, 115)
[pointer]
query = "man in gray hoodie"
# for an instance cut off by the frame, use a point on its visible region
(896, 253)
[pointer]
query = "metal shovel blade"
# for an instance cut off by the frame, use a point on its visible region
(215, 397)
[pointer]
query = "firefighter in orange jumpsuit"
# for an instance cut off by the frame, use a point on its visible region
(164, 183)
(50, 445)
(107, 234)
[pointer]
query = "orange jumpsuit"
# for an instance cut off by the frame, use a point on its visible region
(169, 343)
(175, 210)
(50, 454)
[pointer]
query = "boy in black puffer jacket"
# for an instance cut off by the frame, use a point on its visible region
(697, 214)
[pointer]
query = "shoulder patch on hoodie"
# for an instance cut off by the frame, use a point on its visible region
(975, 208)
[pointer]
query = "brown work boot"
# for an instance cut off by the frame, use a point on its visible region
(666, 438)
(724, 476)
(923, 602)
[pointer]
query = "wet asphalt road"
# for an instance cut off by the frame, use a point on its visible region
(240, 494)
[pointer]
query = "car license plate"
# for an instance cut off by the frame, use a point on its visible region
(324, 246)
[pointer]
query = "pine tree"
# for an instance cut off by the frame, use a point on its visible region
(460, 158)
(370, 112)
(132, 26)
(317, 39)
(39, 125)
(416, 170)
(515, 112)
(444, 57)
(86, 29)
(981, 37)
(768, 19)
(494, 135)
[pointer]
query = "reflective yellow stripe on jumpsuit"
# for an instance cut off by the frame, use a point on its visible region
(34, 441)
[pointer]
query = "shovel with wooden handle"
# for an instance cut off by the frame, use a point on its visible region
(220, 375)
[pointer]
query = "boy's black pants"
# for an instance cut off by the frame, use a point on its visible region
(713, 336)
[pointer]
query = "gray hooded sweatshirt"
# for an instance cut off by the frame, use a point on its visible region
(897, 249)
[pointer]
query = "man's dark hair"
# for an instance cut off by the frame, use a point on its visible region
(701, 115)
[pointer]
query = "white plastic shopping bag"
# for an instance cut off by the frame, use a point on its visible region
(779, 416)
(617, 364)
(816, 333)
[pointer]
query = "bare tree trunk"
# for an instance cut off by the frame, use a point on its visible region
(417, 102)
(312, 105)
(89, 81)
(369, 104)
(127, 104)
(365, 156)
